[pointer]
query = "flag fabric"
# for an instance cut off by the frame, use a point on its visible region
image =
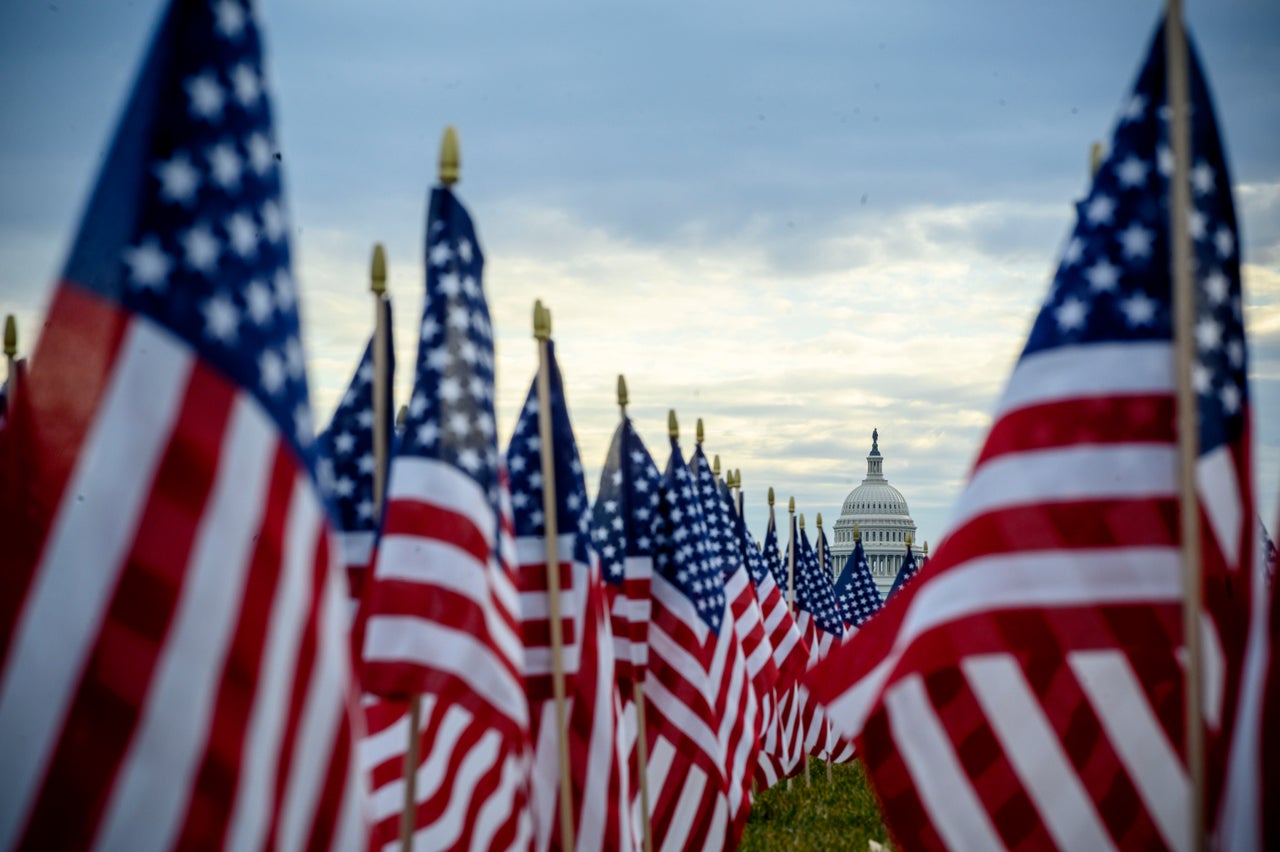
(696, 686)
(819, 618)
(1026, 691)
(345, 463)
(597, 741)
(856, 589)
(906, 572)
(175, 669)
(790, 653)
(622, 533)
(775, 559)
(439, 615)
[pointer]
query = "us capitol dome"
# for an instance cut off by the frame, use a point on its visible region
(879, 512)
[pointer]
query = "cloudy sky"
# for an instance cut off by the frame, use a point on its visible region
(797, 221)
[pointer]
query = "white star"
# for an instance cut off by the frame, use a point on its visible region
(1136, 241)
(294, 362)
(1208, 333)
(273, 221)
(365, 419)
(247, 85)
(469, 459)
(1230, 396)
(1101, 210)
(201, 249)
(343, 443)
(459, 317)
(221, 319)
(364, 510)
(439, 254)
(206, 96)
(365, 463)
(271, 371)
(450, 390)
(1132, 172)
(450, 284)
(470, 287)
(178, 179)
(344, 487)
(1196, 223)
(1202, 178)
(364, 375)
(464, 250)
(486, 424)
(459, 424)
(467, 352)
(479, 388)
(243, 234)
(148, 265)
(1164, 160)
(230, 18)
(430, 328)
(257, 298)
(260, 154)
(1217, 287)
(1103, 275)
(438, 359)
(1139, 309)
(286, 296)
(1224, 241)
(417, 404)
(1070, 315)
(428, 434)
(1235, 353)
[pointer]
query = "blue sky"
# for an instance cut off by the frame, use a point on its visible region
(799, 222)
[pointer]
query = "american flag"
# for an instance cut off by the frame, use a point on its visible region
(345, 463)
(821, 623)
(775, 559)
(790, 653)
(598, 746)
(175, 670)
(856, 590)
(906, 572)
(699, 697)
(622, 533)
(1026, 691)
(439, 617)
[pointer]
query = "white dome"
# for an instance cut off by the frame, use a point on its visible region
(875, 498)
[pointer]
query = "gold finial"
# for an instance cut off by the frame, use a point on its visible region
(819, 520)
(908, 539)
(1096, 154)
(715, 461)
(699, 433)
(770, 495)
(10, 337)
(449, 158)
(791, 507)
(857, 533)
(802, 520)
(541, 321)
(737, 477)
(378, 270)
(673, 428)
(622, 393)
(926, 548)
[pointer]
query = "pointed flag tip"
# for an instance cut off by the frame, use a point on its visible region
(450, 160)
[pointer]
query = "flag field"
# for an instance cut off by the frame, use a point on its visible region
(840, 815)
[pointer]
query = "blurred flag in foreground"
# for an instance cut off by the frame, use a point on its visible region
(176, 671)
(1026, 691)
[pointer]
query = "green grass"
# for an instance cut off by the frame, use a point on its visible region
(842, 815)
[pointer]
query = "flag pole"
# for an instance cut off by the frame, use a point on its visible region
(807, 780)
(1184, 307)
(381, 414)
(637, 698)
(448, 175)
(822, 564)
(542, 333)
(10, 343)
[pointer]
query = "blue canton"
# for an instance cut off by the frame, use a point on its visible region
(856, 590)
(524, 464)
(204, 246)
(450, 414)
(773, 559)
(906, 571)
(625, 510)
(681, 554)
(813, 590)
(719, 515)
(1114, 281)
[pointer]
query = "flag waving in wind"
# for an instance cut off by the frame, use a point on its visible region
(176, 670)
(1026, 691)
(856, 588)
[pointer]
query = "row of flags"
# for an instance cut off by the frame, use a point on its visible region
(218, 633)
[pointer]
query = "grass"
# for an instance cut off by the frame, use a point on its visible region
(842, 815)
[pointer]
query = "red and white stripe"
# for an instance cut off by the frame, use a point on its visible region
(1027, 691)
(176, 670)
(790, 652)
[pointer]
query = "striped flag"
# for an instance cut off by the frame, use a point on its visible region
(821, 623)
(856, 589)
(906, 572)
(782, 748)
(597, 741)
(790, 653)
(439, 617)
(1026, 691)
(699, 696)
(176, 671)
(345, 463)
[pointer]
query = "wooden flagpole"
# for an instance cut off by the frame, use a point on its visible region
(822, 563)
(542, 333)
(637, 696)
(1184, 307)
(807, 779)
(10, 344)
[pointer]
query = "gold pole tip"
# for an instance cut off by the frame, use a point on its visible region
(791, 506)
(378, 270)
(819, 520)
(715, 462)
(908, 539)
(673, 427)
(699, 432)
(802, 520)
(622, 392)
(737, 477)
(857, 533)
(10, 336)
(1096, 155)
(926, 548)
(449, 158)
(541, 321)
(770, 495)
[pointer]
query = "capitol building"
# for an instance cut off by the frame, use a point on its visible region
(879, 512)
